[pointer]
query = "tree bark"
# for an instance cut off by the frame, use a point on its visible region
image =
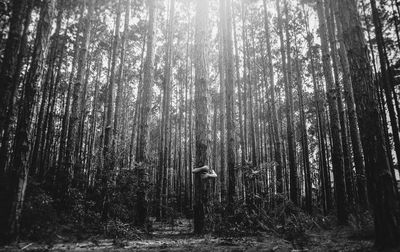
(387, 77)
(229, 83)
(201, 90)
(337, 147)
(380, 183)
(19, 173)
(146, 102)
(9, 67)
(72, 161)
(289, 114)
(329, 15)
(120, 76)
(351, 110)
(275, 124)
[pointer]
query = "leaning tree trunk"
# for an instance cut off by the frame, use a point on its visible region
(72, 162)
(9, 67)
(5, 131)
(46, 95)
(387, 76)
(19, 173)
(379, 178)
(351, 110)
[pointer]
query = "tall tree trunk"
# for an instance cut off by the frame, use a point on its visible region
(239, 88)
(109, 135)
(324, 172)
(19, 173)
(46, 94)
(275, 124)
(304, 141)
(165, 106)
(120, 76)
(141, 207)
(351, 110)
(245, 78)
(72, 162)
(63, 174)
(201, 90)
(329, 15)
(229, 83)
(289, 112)
(93, 123)
(5, 131)
(380, 183)
(337, 147)
(251, 80)
(287, 90)
(191, 138)
(137, 104)
(186, 162)
(222, 99)
(387, 76)
(9, 66)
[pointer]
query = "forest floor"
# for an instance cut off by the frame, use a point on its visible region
(179, 237)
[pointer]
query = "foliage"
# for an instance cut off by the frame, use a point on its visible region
(117, 229)
(39, 219)
(255, 216)
(124, 196)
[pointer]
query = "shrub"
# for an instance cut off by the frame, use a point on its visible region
(39, 218)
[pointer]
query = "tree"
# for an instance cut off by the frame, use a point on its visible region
(337, 150)
(304, 139)
(352, 114)
(289, 112)
(201, 111)
(148, 68)
(9, 67)
(229, 83)
(323, 166)
(275, 125)
(222, 98)
(47, 85)
(387, 76)
(20, 166)
(72, 161)
(166, 92)
(379, 178)
(347, 164)
(120, 75)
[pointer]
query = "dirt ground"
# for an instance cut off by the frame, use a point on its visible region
(180, 238)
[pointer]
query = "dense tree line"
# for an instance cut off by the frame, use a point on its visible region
(198, 104)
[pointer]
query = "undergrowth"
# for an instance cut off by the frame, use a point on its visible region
(78, 215)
